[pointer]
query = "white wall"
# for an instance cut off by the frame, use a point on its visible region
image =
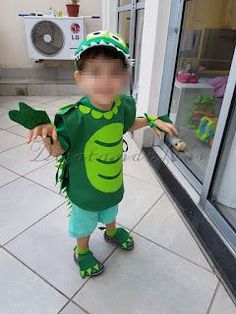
(155, 29)
(13, 52)
(109, 13)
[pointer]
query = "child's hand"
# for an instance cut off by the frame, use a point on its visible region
(42, 130)
(166, 127)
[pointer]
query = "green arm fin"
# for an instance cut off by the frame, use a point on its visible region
(28, 116)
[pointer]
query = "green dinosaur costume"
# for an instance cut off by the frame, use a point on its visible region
(93, 139)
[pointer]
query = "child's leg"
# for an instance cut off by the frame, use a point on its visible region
(111, 229)
(111, 226)
(88, 264)
(118, 236)
(83, 243)
(81, 225)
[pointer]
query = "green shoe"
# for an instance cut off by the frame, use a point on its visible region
(88, 264)
(122, 239)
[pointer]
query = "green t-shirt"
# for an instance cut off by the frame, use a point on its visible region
(93, 141)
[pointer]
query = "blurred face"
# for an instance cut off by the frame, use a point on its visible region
(102, 80)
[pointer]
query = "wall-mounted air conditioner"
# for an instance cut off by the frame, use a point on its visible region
(53, 38)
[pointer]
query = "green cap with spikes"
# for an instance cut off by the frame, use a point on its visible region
(107, 39)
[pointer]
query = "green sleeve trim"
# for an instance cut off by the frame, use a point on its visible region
(150, 119)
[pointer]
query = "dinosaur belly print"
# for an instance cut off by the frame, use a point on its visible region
(103, 158)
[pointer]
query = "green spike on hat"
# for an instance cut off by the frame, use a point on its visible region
(107, 39)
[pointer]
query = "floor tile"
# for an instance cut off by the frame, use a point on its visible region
(19, 130)
(13, 102)
(148, 280)
(22, 203)
(170, 231)
(71, 308)
(25, 158)
(45, 176)
(9, 140)
(3, 110)
(44, 99)
(24, 292)
(74, 98)
(52, 250)
(38, 105)
(222, 303)
(6, 122)
(135, 163)
(60, 102)
(138, 198)
(6, 176)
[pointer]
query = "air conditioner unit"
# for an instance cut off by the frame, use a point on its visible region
(53, 38)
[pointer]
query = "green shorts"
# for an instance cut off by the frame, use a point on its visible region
(83, 222)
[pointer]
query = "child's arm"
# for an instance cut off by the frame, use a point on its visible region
(54, 149)
(166, 127)
(40, 125)
(47, 131)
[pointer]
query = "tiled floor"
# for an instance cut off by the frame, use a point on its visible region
(166, 273)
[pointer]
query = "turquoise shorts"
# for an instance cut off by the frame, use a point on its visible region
(83, 222)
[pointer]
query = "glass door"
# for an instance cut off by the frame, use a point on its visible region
(205, 51)
(198, 92)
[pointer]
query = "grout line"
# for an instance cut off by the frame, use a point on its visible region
(28, 100)
(31, 160)
(31, 269)
(148, 210)
(5, 150)
(47, 163)
(173, 252)
(91, 277)
(77, 305)
(9, 182)
(213, 297)
(64, 306)
(10, 131)
(22, 175)
(30, 226)
(43, 186)
(10, 170)
(149, 183)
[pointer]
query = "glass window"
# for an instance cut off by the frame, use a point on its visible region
(223, 194)
(130, 26)
(124, 2)
(124, 26)
(205, 53)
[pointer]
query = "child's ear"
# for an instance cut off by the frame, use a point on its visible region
(77, 76)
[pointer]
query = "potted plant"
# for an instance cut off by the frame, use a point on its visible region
(73, 8)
